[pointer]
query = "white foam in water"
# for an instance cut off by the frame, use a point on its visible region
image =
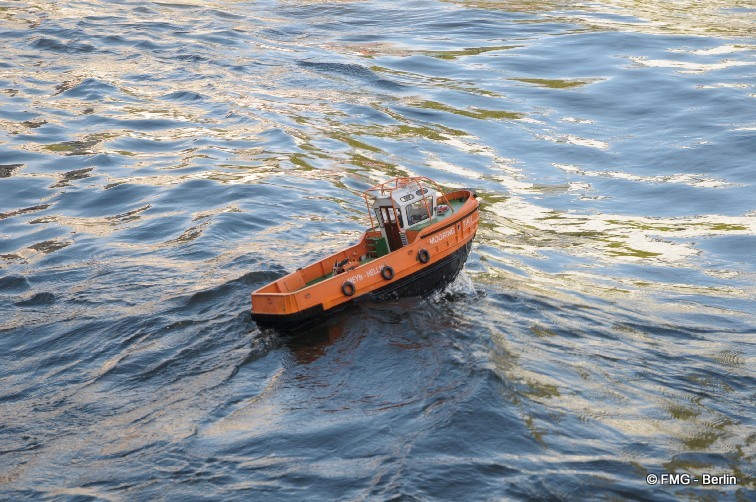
(461, 286)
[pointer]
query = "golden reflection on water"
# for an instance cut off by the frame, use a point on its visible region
(517, 228)
(685, 17)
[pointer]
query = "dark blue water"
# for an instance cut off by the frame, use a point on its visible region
(161, 160)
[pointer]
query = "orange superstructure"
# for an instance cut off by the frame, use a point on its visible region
(418, 241)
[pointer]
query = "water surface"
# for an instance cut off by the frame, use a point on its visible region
(161, 160)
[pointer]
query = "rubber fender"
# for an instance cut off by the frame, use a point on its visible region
(387, 273)
(348, 288)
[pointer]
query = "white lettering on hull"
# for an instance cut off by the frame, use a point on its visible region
(373, 271)
(443, 235)
(369, 273)
(355, 278)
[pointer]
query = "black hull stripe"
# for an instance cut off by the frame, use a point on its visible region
(436, 276)
(435, 268)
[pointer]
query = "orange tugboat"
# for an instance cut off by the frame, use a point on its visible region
(418, 241)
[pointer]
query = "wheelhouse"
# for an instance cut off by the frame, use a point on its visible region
(403, 206)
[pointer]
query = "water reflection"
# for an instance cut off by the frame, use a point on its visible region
(719, 17)
(150, 180)
(307, 345)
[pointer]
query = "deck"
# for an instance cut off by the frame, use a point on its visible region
(380, 246)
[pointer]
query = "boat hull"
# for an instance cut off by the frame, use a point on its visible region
(433, 277)
(428, 256)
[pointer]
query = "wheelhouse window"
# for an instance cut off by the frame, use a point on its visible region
(417, 212)
(378, 216)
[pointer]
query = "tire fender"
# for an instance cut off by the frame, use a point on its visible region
(387, 272)
(348, 288)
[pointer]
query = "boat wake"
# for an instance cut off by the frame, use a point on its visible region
(462, 286)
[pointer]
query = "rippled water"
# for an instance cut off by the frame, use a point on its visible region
(160, 160)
